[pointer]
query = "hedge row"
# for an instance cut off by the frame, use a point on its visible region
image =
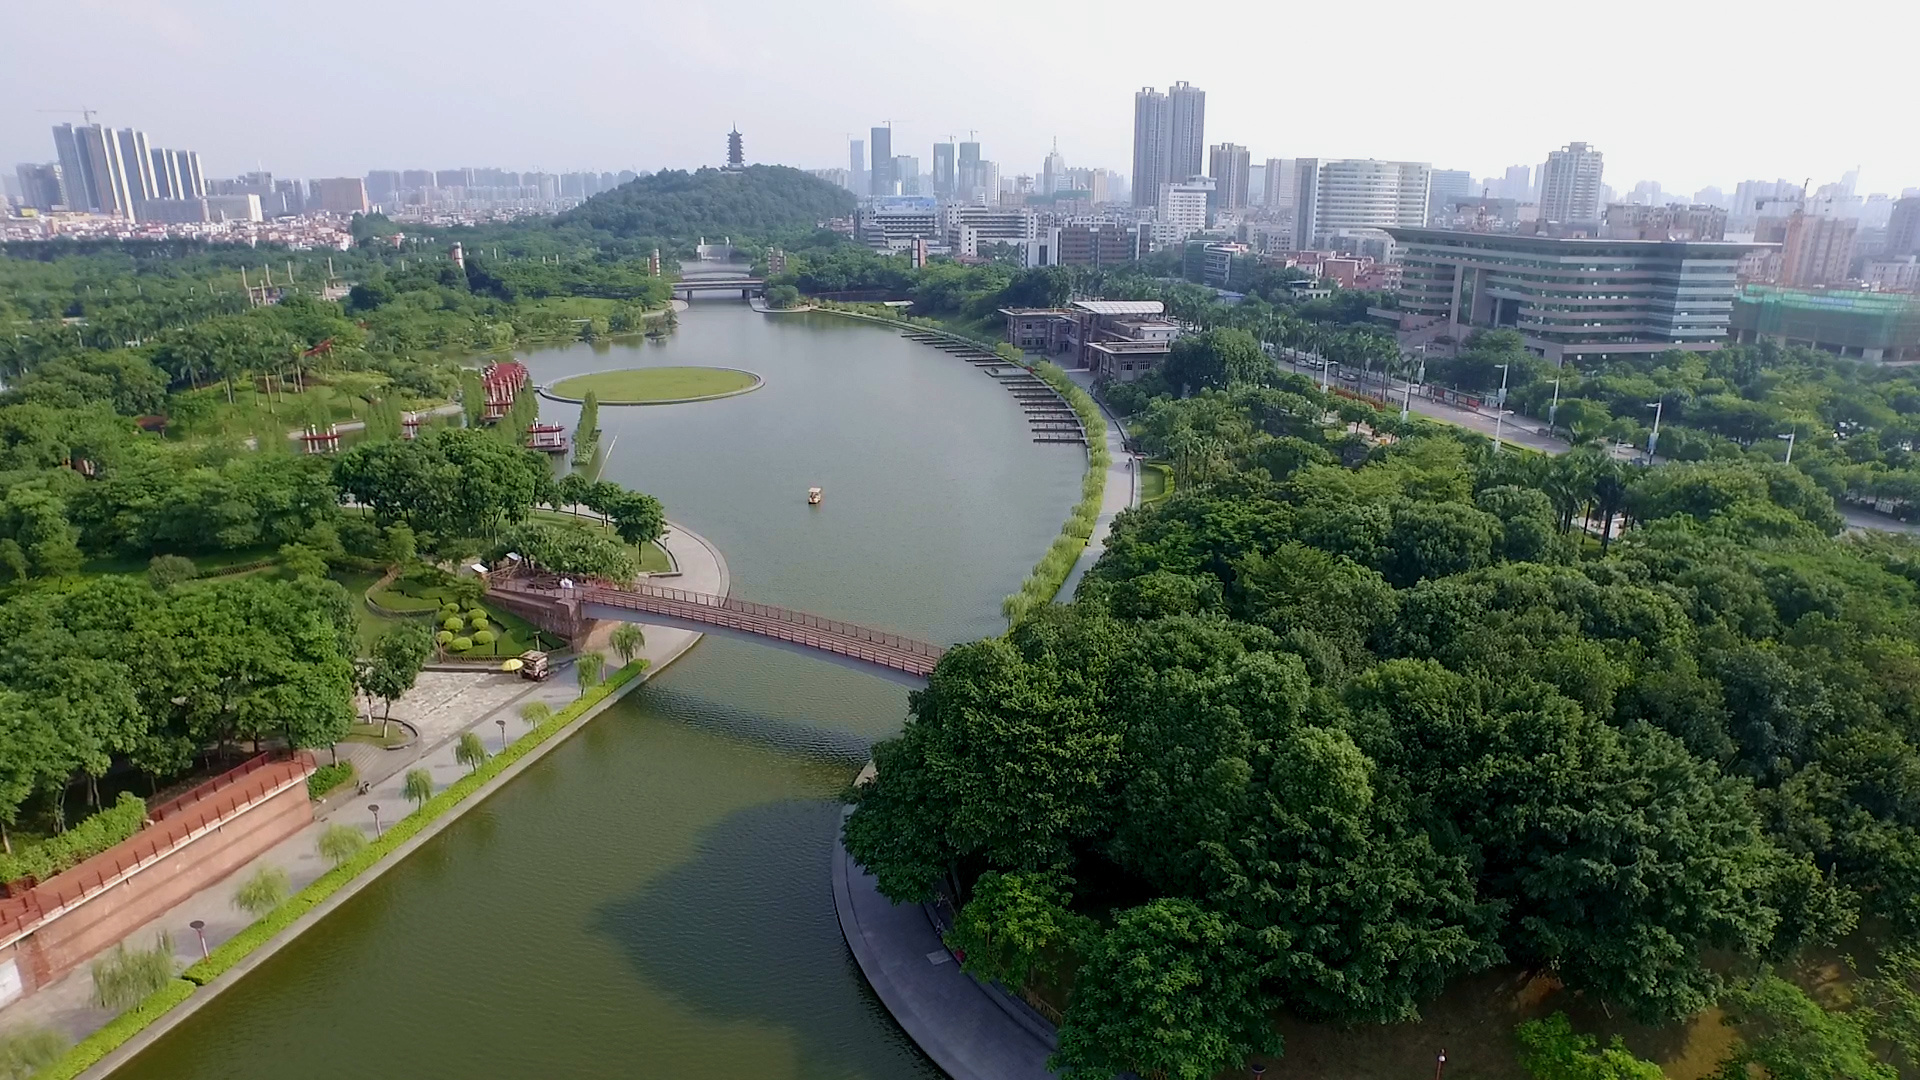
(233, 950)
(1050, 573)
(88, 1051)
(62, 851)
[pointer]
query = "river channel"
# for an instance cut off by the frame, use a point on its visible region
(652, 898)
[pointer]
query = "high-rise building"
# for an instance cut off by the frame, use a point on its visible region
(187, 164)
(1169, 139)
(1448, 187)
(989, 177)
(383, 187)
(1279, 184)
(1333, 198)
(881, 179)
(1186, 131)
(1817, 249)
(1182, 209)
(906, 173)
(136, 157)
(1903, 228)
(967, 180)
(943, 169)
(1229, 166)
(1053, 171)
(340, 195)
(1570, 189)
(109, 174)
(857, 166)
(76, 181)
(1517, 183)
(166, 175)
(40, 185)
(1150, 146)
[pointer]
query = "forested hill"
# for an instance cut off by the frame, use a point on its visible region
(670, 204)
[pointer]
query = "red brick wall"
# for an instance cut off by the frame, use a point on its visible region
(102, 920)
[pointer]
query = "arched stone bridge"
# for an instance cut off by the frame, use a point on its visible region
(567, 612)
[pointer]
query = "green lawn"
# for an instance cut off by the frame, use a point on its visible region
(211, 563)
(516, 635)
(641, 385)
(652, 557)
(1156, 482)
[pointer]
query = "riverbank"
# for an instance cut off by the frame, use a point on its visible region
(65, 1006)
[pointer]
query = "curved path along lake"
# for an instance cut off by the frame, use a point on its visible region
(652, 898)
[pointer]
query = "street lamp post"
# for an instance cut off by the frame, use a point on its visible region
(1500, 407)
(375, 808)
(1555, 407)
(1406, 403)
(1653, 440)
(1440, 1066)
(1789, 437)
(503, 735)
(200, 931)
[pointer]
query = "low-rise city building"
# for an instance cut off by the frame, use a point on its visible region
(1877, 327)
(1116, 339)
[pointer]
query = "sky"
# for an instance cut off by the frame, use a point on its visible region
(1682, 93)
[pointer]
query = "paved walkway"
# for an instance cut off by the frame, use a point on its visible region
(1122, 491)
(66, 1004)
(968, 1029)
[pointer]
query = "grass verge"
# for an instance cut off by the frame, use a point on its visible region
(235, 949)
(88, 1051)
(1050, 573)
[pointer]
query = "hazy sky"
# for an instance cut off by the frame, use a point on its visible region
(1686, 94)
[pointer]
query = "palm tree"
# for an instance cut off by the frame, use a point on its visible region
(627, 640)
(587, 669)
(417, 787)
(470, 752)
(535, 713)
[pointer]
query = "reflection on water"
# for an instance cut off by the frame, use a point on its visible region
(652, 899)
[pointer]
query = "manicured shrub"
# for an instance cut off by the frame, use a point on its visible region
(478, 614)
(85, 840)
(460, 644)
(449, 611)
(479, 622)
(88, 1051)
(443, 636)
(483, 637)
(453, 623)
(327, 777)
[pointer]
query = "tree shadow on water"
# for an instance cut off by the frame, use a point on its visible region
(746, 931)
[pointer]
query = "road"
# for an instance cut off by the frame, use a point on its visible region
(1525, 431)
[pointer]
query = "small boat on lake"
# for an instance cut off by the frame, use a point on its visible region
(813, 496)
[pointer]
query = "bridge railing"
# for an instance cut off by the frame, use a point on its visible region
(788, 616)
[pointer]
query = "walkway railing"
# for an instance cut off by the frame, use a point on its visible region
(48, 898)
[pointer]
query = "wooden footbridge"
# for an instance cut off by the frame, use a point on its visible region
(565, 608)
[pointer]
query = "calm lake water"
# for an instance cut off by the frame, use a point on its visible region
(652, 898)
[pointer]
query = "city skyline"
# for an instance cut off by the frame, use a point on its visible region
(582, 113)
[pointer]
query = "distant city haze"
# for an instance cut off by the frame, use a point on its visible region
(1688, 95)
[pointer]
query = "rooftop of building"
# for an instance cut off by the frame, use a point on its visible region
(1831, 299)
(1120, 307)
(1721, 249)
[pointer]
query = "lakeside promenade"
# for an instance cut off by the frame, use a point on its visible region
(66, 1005)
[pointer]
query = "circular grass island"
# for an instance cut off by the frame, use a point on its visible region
(655, 385)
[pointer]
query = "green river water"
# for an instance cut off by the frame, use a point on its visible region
(652, 898)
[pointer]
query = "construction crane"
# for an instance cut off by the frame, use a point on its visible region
(85, 113)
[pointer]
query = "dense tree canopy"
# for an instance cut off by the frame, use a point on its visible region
(1352, 714)
(757, 200)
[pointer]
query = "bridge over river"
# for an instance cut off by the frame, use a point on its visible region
(541, 599)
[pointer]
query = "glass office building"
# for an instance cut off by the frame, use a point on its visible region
(1582, 300)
